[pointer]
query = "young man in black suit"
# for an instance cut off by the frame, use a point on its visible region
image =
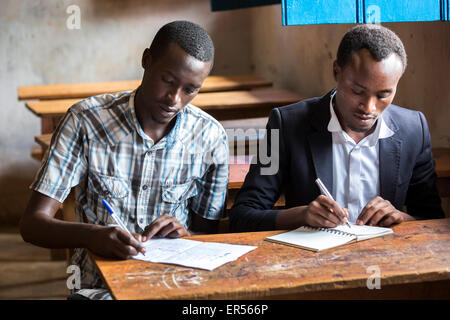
(374, 157)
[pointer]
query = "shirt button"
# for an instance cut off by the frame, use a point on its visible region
(144, 187)
(141, 220)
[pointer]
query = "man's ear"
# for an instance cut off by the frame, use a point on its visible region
(336, 70)
(146, 59)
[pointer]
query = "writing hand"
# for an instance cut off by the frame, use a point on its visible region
(114, 242)
(165, 226)
(324, 212)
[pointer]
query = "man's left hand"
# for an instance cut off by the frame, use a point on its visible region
(165, 226)
(382, 213)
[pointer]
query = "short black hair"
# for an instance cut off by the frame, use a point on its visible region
(380, 41)
(191, 37)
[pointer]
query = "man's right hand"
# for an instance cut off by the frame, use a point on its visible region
(324, 212)
(113, 242)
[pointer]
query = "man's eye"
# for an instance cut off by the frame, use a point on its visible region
(167, 80)
(189, 90)
(357, 92)
(383, 96)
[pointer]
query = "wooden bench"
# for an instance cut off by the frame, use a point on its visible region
(83, 90)
(221, 105)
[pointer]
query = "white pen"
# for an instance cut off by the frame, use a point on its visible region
(328, 194)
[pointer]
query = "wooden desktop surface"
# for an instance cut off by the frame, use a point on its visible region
(417, 254)
(245, 104)
(82, 90)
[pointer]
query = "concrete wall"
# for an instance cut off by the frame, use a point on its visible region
(37, 48)
(300, 58)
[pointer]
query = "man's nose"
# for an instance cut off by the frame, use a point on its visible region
(368, 105)
(174, 96)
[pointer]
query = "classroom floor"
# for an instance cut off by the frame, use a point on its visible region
(28, 272)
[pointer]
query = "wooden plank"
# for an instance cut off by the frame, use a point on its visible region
(83, 90)
(417, 252)
(442, 158)
(245, 104)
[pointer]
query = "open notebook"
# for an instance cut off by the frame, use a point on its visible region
(318, 239)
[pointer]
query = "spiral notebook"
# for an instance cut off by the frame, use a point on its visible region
(318, 239)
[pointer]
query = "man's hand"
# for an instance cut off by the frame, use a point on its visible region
(382, 213)
(165, 226)
(324, 212)
(113, 242)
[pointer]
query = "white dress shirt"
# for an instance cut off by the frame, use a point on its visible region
(356, 178)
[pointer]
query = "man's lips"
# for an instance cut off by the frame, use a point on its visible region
(167, 109)
(364, 117)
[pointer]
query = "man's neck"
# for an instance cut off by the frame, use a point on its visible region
(355, 135)
(155, 130)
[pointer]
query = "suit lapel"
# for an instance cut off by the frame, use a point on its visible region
(320, 141)
(322, 156)
(389, 161)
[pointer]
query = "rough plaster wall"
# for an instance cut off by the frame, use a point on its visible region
(300, 58)
(37, 48)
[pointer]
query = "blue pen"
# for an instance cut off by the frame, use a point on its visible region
(117, 219)
(114, 217)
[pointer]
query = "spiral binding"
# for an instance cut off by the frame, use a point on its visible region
(339, 232)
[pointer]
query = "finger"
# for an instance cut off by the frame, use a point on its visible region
(153, 228)
(321, 222)
(384, 208)
(321, 216)
(387, 221)
(333, 207)
(377, 216)
(170, 227)
(366, 213)
(129, 239)
(391, 219)
(345, 212)
(137, 236)
(122, 251)
(178, 233)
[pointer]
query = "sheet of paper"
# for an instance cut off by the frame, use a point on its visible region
(157, 249)
(190, 253)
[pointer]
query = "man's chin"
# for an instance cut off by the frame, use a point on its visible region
(162, 120)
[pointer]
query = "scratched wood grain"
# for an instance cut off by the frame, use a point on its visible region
(417, 252)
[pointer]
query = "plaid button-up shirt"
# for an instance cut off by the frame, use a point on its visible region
(100, 149)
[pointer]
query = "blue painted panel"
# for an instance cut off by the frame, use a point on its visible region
(445, 10)
(402, 10)
(219, 5)
(298, 12)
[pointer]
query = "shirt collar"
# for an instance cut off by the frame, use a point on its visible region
(382, 130)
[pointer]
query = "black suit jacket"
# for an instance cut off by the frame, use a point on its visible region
(407, 175)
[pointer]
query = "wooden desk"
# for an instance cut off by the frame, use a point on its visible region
(83, 90)
(414, 262)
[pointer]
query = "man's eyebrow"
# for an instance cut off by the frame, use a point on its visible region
(196, 86)
(381, 91)
(172, 75)
(359, 85)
